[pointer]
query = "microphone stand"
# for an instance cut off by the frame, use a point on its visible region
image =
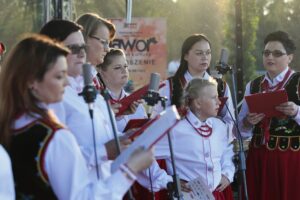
(89, 95)
(242, 161)
(94, 142)
(114, 129)
(150, 174)
(174, 189)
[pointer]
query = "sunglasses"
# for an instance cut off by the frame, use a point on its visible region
(76, 49)
(275, 53)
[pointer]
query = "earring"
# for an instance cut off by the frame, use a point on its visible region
(33, 92)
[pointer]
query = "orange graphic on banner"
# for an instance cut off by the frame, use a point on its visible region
(144, 41)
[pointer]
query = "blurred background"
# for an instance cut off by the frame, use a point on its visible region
(217, 19)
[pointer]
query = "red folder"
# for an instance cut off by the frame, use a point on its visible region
(223, 101)
(142, 124)
(135, 123)
(127, 101)
(266, 102)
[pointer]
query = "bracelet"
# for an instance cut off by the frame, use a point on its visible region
(128, 172)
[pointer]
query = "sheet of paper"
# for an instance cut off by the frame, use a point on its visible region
(200, 191)
(151, 135)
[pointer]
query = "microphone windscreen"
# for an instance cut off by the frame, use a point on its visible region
(224, 56)
(87, 74)
(154, 82)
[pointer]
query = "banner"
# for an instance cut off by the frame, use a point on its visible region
(145, 45)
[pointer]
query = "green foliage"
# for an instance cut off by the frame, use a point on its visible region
(183, 18)
(250, 21)
(280, 15)
(250, 25)
(14, 21)
(216, 19)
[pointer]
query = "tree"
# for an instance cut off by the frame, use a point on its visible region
(14, 21)
(278, 15)
(249, 26)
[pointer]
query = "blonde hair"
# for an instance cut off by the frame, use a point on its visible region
(194, 89)
(91, 22)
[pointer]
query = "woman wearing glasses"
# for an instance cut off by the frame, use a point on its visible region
(194, 62)
(273, 158)
(47, 162)
(98, 33)
(73, 110)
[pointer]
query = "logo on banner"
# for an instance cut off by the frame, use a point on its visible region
(139, 45)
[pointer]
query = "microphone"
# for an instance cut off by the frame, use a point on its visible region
(152, 95)
(89, 92)
(222, 66)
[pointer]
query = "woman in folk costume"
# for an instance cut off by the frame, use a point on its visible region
(114, 75)
(98, 33)
(76, 114)
(73, 111)
(46, 159)
(273, 160)
(194, 62)
(200, 140)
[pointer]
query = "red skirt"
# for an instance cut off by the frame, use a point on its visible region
(226, 194)
(273, 174)
(141, 193)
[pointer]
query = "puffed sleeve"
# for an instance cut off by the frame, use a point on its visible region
(69, 176)
(228, 168)
(159, 178)
(7, 189)
(245, 131)
(227, 165)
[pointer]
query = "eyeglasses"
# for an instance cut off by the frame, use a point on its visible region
(203, 53)
(76, 49)
(275, 53)
(105, 43)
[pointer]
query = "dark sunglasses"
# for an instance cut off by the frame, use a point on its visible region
(275, 53)
(76, 49)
